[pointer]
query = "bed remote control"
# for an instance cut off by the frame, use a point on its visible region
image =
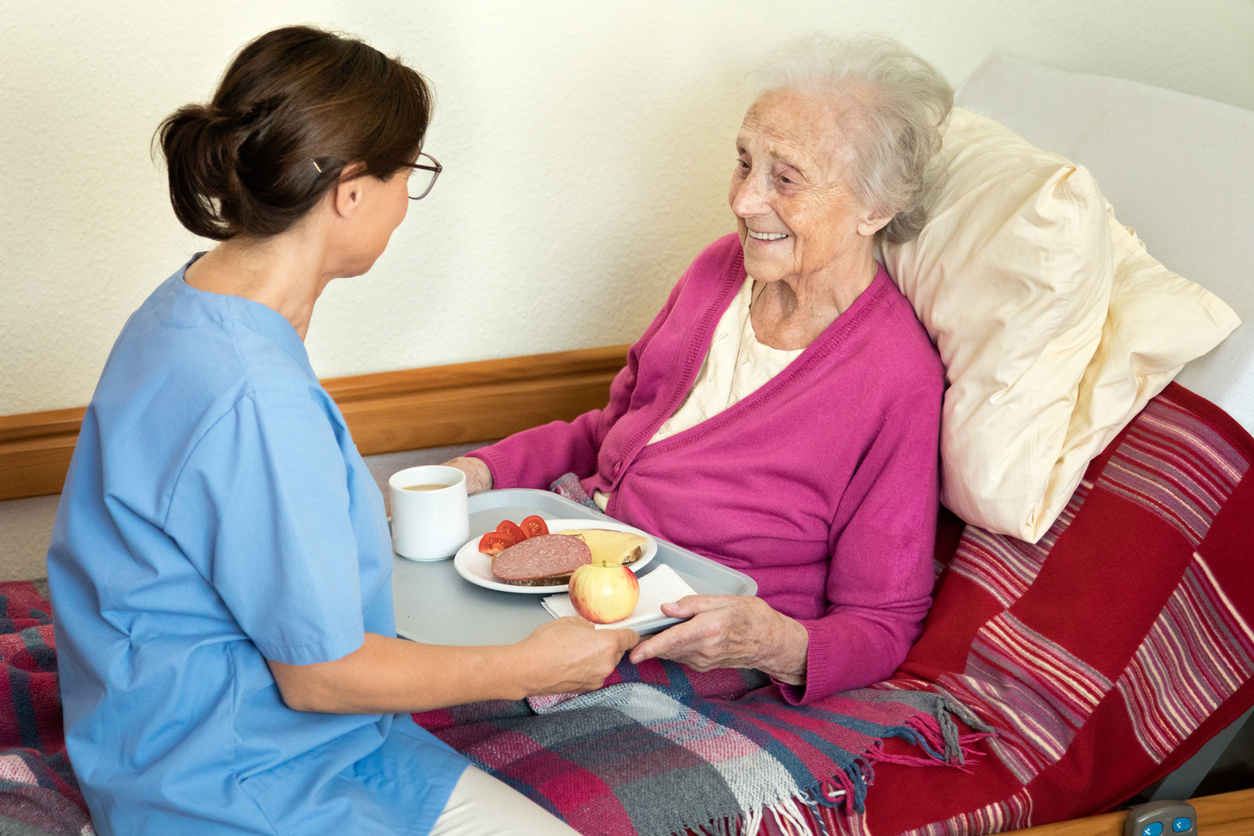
(1161, 818)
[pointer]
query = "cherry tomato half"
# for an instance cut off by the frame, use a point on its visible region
(511, 530)
(494, 542)
(534, 526)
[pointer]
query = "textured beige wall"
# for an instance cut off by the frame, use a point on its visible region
(587, 149)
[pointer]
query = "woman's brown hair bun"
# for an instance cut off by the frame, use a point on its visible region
(296, 106)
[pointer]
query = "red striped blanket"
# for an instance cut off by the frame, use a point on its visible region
(1106, 654)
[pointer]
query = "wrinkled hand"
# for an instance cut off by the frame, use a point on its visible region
(478, 476)
(570, 656)
(730, 631)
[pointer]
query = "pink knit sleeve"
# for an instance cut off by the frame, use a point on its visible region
(536, 457)
(880, 576)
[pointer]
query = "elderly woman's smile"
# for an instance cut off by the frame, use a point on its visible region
(799, 223)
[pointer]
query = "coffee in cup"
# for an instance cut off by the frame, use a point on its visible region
(430, 518)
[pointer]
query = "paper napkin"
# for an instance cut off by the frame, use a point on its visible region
(661, 586)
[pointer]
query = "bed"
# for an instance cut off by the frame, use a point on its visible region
(1102, 599)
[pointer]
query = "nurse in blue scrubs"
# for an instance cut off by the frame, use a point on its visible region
(221, 566)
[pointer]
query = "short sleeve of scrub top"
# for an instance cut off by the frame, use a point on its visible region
(280, 551)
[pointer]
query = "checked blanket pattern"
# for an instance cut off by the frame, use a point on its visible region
(38, 793)
(662, 749)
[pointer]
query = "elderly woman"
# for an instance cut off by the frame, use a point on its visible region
(781, 414)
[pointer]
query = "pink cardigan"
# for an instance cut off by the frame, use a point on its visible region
(822, 485)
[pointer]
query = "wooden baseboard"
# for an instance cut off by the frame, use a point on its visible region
(1226, 814)
(386, 412)
(35, 450)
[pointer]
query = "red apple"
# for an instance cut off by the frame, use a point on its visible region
(604, 592)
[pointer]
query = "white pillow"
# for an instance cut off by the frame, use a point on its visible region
(1179, 168)
(1157, 322)
(1055, 326)
(1012, 278)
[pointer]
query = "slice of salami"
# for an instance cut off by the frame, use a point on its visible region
(541, 561)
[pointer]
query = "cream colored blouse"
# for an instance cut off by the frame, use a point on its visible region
(736, 366)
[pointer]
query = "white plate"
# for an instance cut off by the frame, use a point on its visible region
(476, 567)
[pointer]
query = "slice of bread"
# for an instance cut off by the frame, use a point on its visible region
(550, 580)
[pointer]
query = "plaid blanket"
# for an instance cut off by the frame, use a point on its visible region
(662, 749)
(38, 793)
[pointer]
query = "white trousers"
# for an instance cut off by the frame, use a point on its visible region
(483, 806)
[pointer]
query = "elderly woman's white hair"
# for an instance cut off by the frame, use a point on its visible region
(893, 105)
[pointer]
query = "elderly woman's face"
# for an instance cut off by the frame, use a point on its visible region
(797, 217)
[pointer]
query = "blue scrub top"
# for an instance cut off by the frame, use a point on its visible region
(216, 514)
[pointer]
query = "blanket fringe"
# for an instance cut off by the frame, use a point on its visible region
(786, 817)
(958, 747)
(729, 826)
(844, 791)
(789, 818)
(939, 735)
(937, 732)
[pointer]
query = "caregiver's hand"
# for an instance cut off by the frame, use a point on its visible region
(390, 676)
(731, 631)
(478, 476)
(571, 656)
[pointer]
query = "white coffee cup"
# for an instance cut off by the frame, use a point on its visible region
(430, 520)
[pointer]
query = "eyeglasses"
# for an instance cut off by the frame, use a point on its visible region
(420, 181)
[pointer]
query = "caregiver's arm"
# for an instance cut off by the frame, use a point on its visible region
(392, 676)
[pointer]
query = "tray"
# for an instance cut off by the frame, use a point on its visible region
(435, 605)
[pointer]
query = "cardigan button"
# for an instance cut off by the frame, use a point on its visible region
(618, 465)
